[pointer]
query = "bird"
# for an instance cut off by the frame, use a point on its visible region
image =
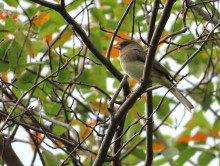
(132, 59)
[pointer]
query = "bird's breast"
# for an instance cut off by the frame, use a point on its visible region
(133, 69)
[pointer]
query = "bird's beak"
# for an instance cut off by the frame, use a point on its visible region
(117, 46)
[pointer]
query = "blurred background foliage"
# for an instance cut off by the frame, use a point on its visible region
(47, 71)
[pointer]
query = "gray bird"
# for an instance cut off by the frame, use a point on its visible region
(132, 59)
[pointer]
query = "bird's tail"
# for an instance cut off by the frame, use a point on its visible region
(181, 98)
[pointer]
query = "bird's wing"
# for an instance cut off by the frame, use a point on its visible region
(156, 65)
(141, 55)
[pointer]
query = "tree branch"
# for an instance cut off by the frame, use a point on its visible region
(149, 111)
(7, 153)
(137, 93)
(202, 13)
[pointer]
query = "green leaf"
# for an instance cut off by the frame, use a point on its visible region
(139, 153)
(54, 63)
(94, 76)
(58, 130)
(51, 109)
(206, 157)
(185, 156)
(4, 66)
(138, 109)
(16, 57)
(25, 81)
(160, 162)
(164, 109)
(195, 69)
(49, 158)
(10, 24)
(11, 3)
(112, 3)
(131, 159)
(22, 40)
(74, 5)
(218, 91)
(96, 41)
(4, 47)
(99, 16)
(17, 92)
(216, 125)
(49, 28)
(134, 129)
(42, 91)
(64, 76)
(198, 119)
(1, 7)
(169, 153)
(203, 94)
(2, 34)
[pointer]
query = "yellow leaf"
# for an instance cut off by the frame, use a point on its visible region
(63, 38)
(40, 18)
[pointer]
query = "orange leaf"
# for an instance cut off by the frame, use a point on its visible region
(6, 37)
(183, 139)
(99, 106)
(84, 132)
(123, 35)
(164, 34)
(215, 133)
(92, 123)
(37, 137)
(114, 52)
(202, 137)
(126, 1)
(204, 55)
(15, 17)
(2, 16)
(4, 77)
(158, 147)
(59, 143)
(144, 98)
(132, 82)
(41, 18)
(118, 39)
(48, 39)
(102, 4)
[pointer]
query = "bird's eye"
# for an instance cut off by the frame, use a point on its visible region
(125, 43)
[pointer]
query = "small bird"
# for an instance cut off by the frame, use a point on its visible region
(132, 59)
